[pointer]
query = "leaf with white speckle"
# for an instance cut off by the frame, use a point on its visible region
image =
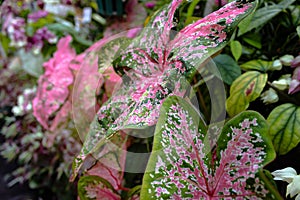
(183, 165)
(156, 65)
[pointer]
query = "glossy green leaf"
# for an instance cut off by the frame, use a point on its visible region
(243, 26)
(184, 164)
(229, 69)
(245, 89)
(259, 65)
(263, 15)
(236, 49)
(284, 123)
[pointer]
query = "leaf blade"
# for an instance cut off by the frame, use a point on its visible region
(284, 121)
(245, 89)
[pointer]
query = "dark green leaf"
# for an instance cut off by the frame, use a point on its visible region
(228, 68)
(253, 39)
(263, 15)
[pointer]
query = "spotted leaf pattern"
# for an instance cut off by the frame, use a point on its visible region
(155, 65)
(183, 165)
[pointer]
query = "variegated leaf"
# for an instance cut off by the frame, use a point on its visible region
(96, 188)
(200, 40)
(104, 179)
(244, 90)
(158, 69)
(181, 167)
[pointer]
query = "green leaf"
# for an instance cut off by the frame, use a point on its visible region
(253, 39)
(236, 49)
(31, 63)
(133, 192)
(284, 123)
(61, 28)
(259, 65)
(263, 15)
(184, 164)
(243, 26)
(244, 90)
(190, 11)
(228, 68)
(270, 184)
(4, 42)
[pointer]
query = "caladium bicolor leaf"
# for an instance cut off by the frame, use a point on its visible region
(181, 167)
(95, 187)
(159, 64)
(53, 89)
(284, 123)
(111, 161)
(244, 90)
(105, 178)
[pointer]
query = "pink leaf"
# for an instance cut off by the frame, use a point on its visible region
(53, 85)
(111, 165)
(183, 165)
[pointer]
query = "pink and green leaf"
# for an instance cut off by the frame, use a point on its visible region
(200, 40)
(157, 66)
(183, 165)
(105, 178)
(95, 187)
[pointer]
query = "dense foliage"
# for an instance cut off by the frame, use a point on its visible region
(159, 107)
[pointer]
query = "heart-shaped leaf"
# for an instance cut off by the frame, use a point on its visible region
(284, 123)
(183, 165)
(159, 62)
(245, 89)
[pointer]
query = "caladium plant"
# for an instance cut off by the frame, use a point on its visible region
(182, 166)
(105, 178)
(160, 62)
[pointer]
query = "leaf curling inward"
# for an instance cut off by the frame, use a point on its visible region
(179, 168)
